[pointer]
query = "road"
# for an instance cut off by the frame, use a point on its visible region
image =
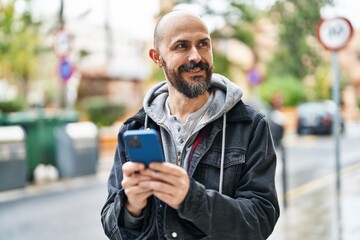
(312, 157)
(59, 211)
(70, 209)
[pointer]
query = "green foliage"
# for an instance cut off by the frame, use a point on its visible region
(19, 46)
(297, 55)
(245, 35)
(239, 17)
(290, 88)
(157, 74)
(11, 106)
(101, 111)
(221, 64)
(323, 83)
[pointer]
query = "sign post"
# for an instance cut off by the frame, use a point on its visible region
(334, 34)
(62, 48)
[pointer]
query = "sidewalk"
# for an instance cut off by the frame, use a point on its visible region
(58, 186)
(315, 213)
(311, 213)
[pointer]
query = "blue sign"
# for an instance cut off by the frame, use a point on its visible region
(254, 77)
(66, 69)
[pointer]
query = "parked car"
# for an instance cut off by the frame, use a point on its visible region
(317, 118)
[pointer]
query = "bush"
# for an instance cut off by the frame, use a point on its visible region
(11, 106)
(101, 111)
(291, 89)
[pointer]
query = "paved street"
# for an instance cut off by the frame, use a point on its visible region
(66, 210)
(70, 209)
(312, 212)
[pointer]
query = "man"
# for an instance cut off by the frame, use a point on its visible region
(218, 179)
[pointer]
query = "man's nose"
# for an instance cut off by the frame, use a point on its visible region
(194, 55)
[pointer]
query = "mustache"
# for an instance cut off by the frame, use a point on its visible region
(192, 65)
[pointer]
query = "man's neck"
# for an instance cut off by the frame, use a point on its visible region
(181, 106)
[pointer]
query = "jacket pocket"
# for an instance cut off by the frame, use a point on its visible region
(208, 169)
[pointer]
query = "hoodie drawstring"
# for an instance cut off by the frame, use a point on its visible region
(146, 121)
(222, 155)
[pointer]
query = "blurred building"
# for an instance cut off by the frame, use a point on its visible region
(349, 59)
(114, 60)
(109, 42)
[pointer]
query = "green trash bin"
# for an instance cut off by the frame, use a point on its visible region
(40, 140)
(47, 125)
(29, 122)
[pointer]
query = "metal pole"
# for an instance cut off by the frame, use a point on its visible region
(108, 33)
(284, 180)
(336, 125)
(336, 132)
(63, 91)
(61, 14)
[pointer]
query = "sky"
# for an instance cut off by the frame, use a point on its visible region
(137, 16)
(132, 17)
(345, 8)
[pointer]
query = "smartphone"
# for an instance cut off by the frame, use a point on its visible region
(143, 146)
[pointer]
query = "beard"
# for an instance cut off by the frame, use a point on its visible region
(194, 88)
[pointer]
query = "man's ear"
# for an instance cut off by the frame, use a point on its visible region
(155, 56)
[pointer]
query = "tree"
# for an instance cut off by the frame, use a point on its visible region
(19, 46)
(238, 17)
(297, 55)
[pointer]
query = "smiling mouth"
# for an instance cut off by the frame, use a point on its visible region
(194, 70)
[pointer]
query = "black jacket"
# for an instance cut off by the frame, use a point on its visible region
(248, 208)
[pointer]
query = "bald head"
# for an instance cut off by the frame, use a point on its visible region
(172, 19)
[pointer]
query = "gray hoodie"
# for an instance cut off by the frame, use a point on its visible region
(226, 95)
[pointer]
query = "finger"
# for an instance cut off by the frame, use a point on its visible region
(158, 186)
(138, 192)
(173, 201)
(170, 194)
(129, 168)
(134, 180)
(160, 176)
(174, 180)
(166, 198)
(168, 168)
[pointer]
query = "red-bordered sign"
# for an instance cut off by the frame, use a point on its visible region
(62, 43)
(335, 33)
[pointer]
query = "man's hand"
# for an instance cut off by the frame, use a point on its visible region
(137, 195)
(170, 183)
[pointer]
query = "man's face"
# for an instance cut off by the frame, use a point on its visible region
(186, 53)
(197, 85)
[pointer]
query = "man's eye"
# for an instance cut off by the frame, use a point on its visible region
(181, 45)
(203, 44)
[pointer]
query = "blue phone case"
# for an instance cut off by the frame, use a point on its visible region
(143, 146)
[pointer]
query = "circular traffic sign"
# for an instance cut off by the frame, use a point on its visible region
(62, 43)
(334, 33)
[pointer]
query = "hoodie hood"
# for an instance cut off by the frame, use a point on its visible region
(226, 95)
